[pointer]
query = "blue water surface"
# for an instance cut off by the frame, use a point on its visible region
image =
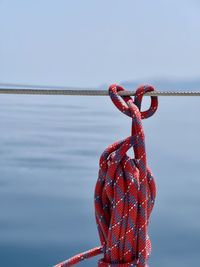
(49, 153)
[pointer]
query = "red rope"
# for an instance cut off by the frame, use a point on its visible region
(125, 192)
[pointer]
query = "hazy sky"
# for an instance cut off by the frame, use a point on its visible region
(88, 42)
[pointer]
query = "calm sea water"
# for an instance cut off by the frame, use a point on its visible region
(49, 152)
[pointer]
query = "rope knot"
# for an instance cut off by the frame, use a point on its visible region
(127, 103)
(125, 192)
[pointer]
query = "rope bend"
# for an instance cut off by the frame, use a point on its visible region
(125, 192)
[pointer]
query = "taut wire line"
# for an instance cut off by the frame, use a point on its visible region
(70, 91)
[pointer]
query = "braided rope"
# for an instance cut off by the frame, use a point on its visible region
(125, 192)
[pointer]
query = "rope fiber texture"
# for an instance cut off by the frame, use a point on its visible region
(125, 192)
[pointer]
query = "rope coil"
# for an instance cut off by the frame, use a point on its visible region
(125, 192)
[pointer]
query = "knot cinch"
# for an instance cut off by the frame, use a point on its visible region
(125, 192)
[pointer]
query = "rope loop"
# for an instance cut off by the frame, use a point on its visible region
(120, 101)
(138, 100)
(124, 105)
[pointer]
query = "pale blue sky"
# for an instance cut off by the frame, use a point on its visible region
(88, 43)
